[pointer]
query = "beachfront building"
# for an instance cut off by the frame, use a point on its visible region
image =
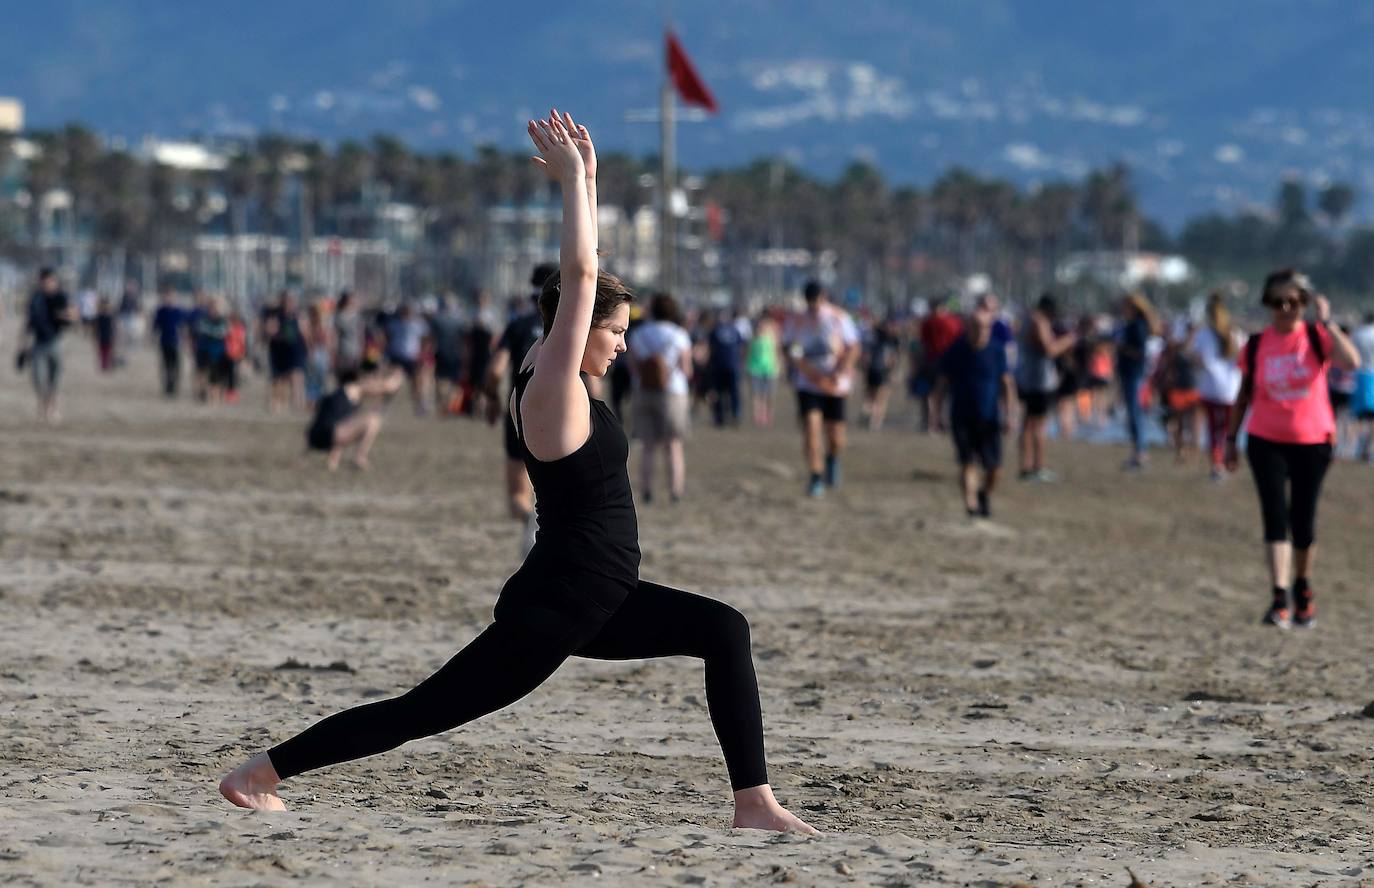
(11, 115)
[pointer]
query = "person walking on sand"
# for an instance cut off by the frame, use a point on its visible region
(169, 323)
(881, 350)
(286, 352)
(50, 312)
(519, 337)
(106, 326)
(1214, 346)
(1037, 383)
(937, 331)
(822, 347)
(661, 355)
(579, 592)
(1362, 405)
(1132, 365)
(975, 372)
(1290, 432)
(765, 365)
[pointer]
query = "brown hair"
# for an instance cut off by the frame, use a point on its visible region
(1282, 277)
(611, 293)
(1142, 306)
(1219, 319)
(664, 308)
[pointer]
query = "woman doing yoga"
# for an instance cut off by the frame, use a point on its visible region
(578, 592)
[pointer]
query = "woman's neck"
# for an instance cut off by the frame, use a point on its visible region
(1287, 326)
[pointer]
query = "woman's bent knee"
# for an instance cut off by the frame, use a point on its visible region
(730, 627)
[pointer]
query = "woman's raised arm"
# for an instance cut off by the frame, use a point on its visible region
(555, 412)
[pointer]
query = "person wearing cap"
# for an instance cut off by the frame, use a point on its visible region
(1290, 432)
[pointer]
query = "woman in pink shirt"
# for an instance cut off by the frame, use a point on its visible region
(1290, 433)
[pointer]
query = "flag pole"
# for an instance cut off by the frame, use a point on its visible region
(668, 184)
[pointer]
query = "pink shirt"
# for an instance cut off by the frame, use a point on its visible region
(1289, 403)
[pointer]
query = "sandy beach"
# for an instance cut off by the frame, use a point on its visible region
(1077, 688)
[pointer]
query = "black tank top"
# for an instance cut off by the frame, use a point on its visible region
(583, 500)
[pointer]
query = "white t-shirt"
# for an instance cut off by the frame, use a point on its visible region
(1219, 376)
(819, 341)
(668, 341)
(1363, 338)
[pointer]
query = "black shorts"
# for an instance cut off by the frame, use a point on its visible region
(449, 368)
(923, 382)
(875, 379)
(978, 440)
(830, 406)
(320, 436)
(221, 370)
(512, 440)
(1036, 403)
(1340, 401)
(283, 361)
(408, 365)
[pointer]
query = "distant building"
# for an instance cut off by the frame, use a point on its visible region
(11, 115)
(1127, 269)
(182, 155)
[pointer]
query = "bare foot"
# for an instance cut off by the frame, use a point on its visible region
(756, 808)
(361, 464)
(253, 784)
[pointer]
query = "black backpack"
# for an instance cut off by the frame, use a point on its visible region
(1314, 340)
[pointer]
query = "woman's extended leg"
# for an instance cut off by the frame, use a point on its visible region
(498, 667)
(658, 621)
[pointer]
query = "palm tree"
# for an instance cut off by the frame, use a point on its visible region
(80, 152)
(42, 175)
(241, 184)
(394, 166)
(318, 185)
(955, 201)
(1109, 205)
(120, 206)
(1052, 206)
(1336, 201)
(273, 152)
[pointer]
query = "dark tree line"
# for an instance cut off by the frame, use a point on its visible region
(890, 239)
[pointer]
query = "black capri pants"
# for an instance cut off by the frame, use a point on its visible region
(1276, 468)
(542, 618)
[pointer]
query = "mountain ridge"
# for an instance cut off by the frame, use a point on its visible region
(1210, 104)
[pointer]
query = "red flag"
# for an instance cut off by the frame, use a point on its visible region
(685, 78)
(715, 221)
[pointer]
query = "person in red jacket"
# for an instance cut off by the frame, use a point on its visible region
(939, 330)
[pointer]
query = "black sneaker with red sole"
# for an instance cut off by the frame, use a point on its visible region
(1278, 615)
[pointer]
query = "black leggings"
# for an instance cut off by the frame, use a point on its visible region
(1273, 465)
(517, 652)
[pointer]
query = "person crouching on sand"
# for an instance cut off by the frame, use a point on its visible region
(340, 419)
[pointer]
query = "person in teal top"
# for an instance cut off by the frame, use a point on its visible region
(764, 365)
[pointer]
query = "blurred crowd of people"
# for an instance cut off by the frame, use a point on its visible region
(1132, 374)
(974, 369)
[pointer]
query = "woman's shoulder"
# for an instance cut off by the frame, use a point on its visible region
(531, 358)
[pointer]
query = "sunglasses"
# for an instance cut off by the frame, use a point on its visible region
(1288, 303)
